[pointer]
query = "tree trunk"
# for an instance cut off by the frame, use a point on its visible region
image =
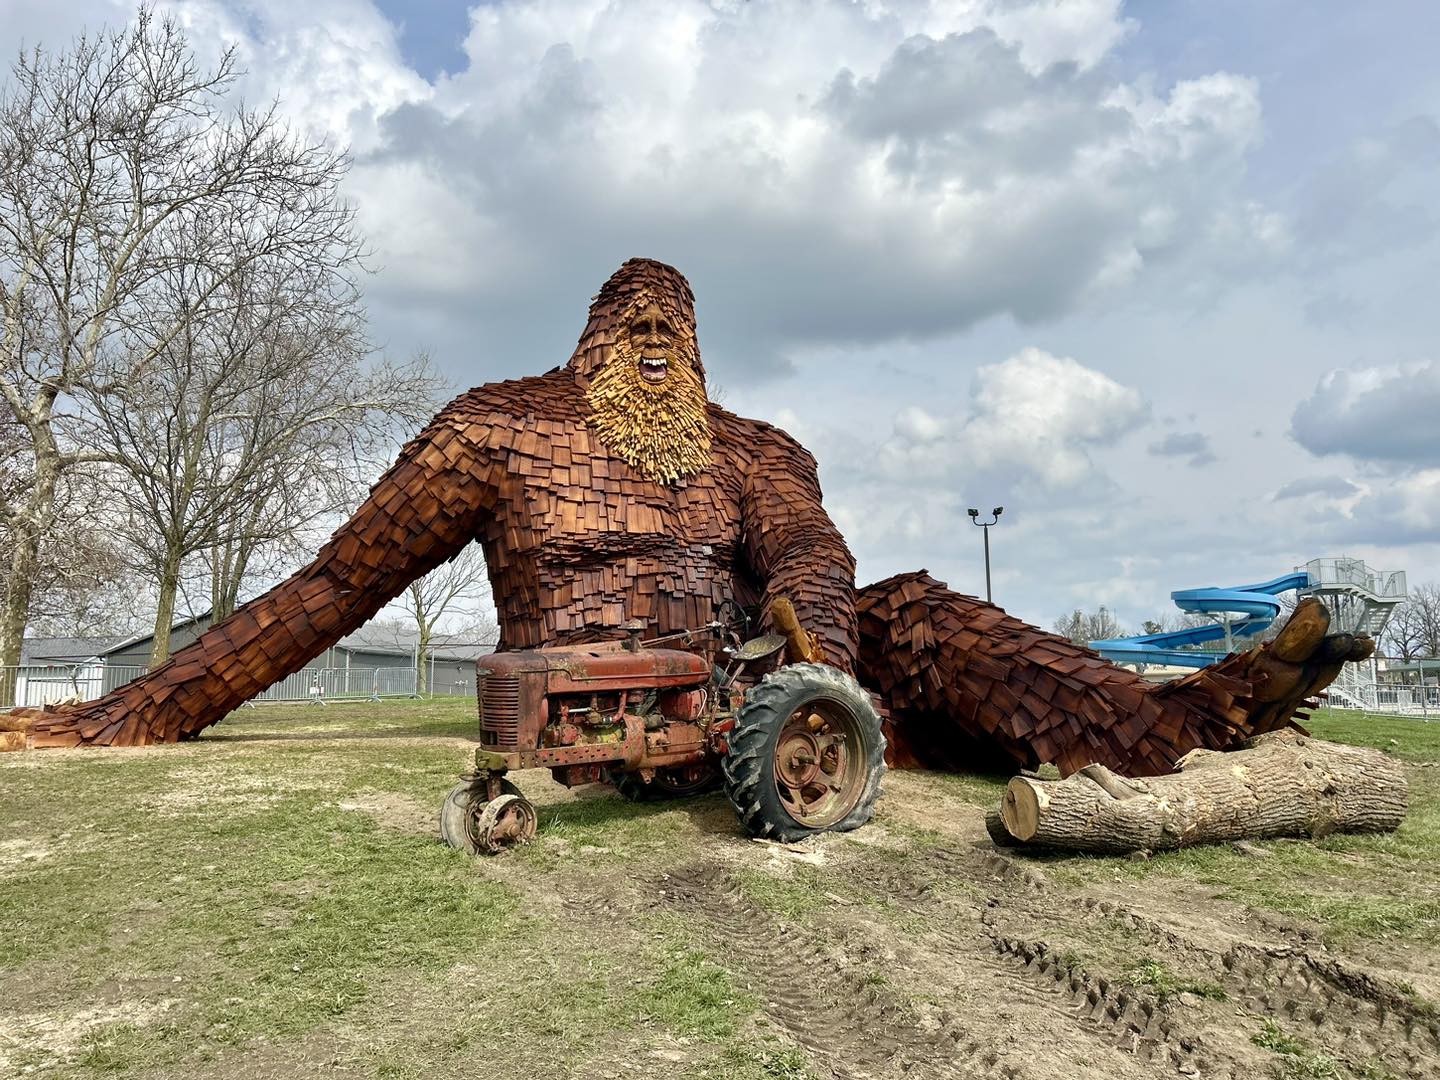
(13, 616)
(1281, 784)
(219, 582)
(169, 585)
(422, 677)
(24, 565)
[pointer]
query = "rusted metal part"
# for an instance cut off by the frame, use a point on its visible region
(817, 772)
(505, 821)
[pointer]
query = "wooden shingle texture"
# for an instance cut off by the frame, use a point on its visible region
(579, 540)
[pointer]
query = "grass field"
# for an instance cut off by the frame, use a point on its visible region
(271, 901)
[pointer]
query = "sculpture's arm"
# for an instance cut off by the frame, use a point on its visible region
(794, 548)
(424, 510)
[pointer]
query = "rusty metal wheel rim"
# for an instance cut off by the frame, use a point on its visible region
(820, 764)
(503, 822)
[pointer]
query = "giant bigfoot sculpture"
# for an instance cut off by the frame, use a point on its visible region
(611, 489)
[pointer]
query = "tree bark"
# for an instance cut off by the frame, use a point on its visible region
(169, 585)
(1281, 784)
(24, 565)
(14, 615)
(422, 677)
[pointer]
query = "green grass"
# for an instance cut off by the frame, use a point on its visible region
(249, 890)
(1298, 1060)
(1167, 985)
(695, 996)
(1408, 738)
(272, 898)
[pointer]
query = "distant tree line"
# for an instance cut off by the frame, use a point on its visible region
(187, 394)
(1413, 632)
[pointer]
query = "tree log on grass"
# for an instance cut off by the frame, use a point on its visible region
(1284, 784)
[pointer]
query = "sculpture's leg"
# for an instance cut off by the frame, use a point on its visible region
(961, 678)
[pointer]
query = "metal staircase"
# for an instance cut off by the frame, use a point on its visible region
(1361, 600)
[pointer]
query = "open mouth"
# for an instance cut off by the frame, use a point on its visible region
(654, 369)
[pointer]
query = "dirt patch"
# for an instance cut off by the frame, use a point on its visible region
(391, 810)
(19, 852)
(33, 1041)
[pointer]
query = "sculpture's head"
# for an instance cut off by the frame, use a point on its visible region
(640, 364)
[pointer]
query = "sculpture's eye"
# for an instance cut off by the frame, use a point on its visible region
(641, 328)
(662, 327)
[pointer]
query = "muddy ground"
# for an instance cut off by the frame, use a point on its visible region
(270, 901)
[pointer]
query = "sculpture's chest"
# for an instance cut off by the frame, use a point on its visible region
(573, 502)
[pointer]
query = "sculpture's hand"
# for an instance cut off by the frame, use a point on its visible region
(1303, 660)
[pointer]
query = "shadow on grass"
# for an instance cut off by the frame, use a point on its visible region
(409, 731)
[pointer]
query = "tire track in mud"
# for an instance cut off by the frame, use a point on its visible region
(1326, 1000)
(854, 1028)
(1138, 1023)
(860, 1030)
(1122, 1015)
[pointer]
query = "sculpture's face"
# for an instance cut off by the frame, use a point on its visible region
(651, 340)
(648, 398)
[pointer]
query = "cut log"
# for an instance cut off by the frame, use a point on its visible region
(1281, 784)
(995, 826)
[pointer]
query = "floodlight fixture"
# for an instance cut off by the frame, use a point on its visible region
(975, 520)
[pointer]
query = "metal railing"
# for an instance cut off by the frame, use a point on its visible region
(1354, 572)
(47, 684)
(1393, 699)
(341, 684)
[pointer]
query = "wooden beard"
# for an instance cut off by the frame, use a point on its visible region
(661, 430)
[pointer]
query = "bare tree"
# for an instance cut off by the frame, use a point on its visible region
(253, 425)
(1404, 635)
(79, 585)
(1083, 627)
(461, 583)
(119, 166)
(1424, 603)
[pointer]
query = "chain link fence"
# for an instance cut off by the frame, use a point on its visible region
(36, 685)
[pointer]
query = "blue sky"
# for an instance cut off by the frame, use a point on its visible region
(1156, 276)
(431, 33)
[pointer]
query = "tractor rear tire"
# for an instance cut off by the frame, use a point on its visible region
(667, 784)
(806, 755)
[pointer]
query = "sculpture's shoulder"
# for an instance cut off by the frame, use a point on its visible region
(494, 418)
(496, 414)
(750, 439)
(552, 397)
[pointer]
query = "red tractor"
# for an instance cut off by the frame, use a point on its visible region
(798, 750)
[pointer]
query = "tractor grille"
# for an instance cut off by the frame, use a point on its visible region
(499, 710)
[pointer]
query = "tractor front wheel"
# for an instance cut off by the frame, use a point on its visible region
(806, 754)
(472, 823)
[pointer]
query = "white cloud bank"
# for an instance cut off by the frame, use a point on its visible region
(1034, 418)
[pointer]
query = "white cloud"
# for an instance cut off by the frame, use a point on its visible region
(1192, 444)
(827, 172)
(830, 172)
(1034, 417)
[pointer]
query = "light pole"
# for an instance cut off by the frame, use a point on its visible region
(975, 520)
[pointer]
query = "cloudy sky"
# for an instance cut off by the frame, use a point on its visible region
(1158, 277)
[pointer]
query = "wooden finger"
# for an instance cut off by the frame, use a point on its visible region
(1305, 630)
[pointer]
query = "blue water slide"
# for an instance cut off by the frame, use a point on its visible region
(1255, 604)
